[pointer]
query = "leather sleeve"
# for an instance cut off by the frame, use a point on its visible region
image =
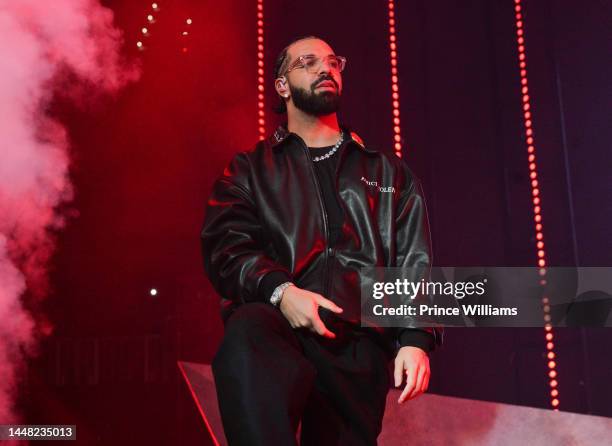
(234, 258)
(413, 241)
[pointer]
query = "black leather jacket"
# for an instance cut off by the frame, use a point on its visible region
(266, 213)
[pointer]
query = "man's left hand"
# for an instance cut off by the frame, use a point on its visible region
(414, 363)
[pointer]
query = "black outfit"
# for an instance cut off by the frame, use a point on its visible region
(269, 375)
(326, 173)
(276, 216)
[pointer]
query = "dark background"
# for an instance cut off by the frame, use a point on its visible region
(144, 163)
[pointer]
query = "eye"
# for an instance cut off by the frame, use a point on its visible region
(310, 61)
(334, 63)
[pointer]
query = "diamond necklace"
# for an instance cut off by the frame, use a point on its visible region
(332, 151)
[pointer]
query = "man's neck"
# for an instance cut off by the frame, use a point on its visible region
(316, 131)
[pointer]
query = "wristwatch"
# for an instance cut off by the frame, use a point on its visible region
(277, 295)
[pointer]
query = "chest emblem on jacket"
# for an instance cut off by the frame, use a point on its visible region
(387, 189)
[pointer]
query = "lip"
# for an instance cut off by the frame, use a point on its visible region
(326, 84)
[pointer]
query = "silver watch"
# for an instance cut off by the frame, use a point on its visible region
(277, 295)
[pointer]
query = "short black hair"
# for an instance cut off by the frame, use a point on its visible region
(281, 65)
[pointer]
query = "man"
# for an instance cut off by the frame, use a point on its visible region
(288, 226)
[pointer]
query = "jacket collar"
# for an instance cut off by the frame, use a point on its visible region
(282, 133)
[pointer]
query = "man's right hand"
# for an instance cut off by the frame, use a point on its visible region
(301, 308)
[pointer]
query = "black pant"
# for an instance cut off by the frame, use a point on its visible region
(269, 376)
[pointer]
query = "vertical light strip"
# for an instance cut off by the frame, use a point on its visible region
(537, 205)
(261, 113)
(397, 138)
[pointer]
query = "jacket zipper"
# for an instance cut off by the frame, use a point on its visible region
(330, 250)
(325, 223)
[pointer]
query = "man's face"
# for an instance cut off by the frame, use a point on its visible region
(318, 93)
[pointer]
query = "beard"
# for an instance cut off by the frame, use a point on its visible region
(316, 104)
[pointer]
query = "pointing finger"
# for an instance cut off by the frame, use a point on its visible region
(398, 372)
(410, 381)
(326, 303)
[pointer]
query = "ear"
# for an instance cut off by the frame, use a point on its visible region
(282, 86)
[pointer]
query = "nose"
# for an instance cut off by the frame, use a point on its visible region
(324, 67)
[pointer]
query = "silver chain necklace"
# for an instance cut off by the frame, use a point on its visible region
(332, 151)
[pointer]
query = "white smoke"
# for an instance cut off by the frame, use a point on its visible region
(40, 43)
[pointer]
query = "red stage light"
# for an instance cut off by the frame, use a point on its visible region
(528, 123)
(394, 80)
(260, 70)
